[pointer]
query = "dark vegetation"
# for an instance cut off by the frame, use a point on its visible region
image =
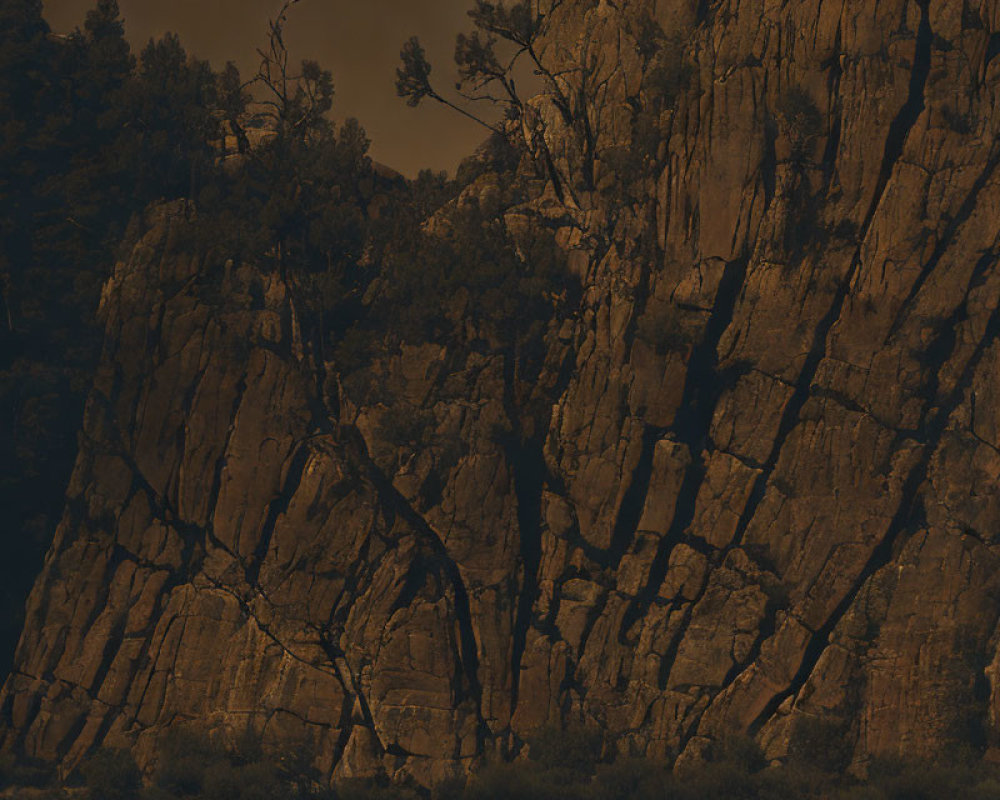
(510, 37)
(468, 278)
(97, 135)
(800, 121)
(561, 765)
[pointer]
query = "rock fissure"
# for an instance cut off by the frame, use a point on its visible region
(702, 391)
(954, 226)
(528, 467)
(895, 141)
(278, 506)
(467, 640)
(882, 553)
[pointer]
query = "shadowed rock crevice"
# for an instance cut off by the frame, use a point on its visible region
(703, 388)
(527, 463)
(929, 439)
(392, 499)
(277, 507)
(634, 499)
(352, 694)
(908, 115)
(954, 226)
(220, 464)
(895, 141)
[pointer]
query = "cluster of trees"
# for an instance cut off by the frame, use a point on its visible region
(466, 276)
(89, 136)
(97, 134)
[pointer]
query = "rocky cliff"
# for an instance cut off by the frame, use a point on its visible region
(761, 489)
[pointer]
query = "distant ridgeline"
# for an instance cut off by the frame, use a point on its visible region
(665, 434)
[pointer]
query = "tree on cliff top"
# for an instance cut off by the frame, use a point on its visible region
(575, 77)
(488, 76)
(295, 102)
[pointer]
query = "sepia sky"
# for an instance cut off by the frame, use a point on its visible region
(358, 42)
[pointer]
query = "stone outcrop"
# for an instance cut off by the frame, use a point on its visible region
(784, 511)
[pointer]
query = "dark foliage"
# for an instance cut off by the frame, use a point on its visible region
(25, 772)
(662, 329)
(413, 76)
(469, 269)
(576, 749)
(112, 775)
(800, 120)
(55, 233)
(562, 765)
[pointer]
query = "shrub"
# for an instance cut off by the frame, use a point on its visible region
(800, 120)
(741, 752)
(185, 756)
(112, 774)
(661, 328)
(823, 742)
(956, 121)
(722, 781)
(576, 748)
(24, 772)
(669, 76)
(632, 779)
(449, 789)
(405, 427)
(259, 781)
(524, 781)
(373, 789)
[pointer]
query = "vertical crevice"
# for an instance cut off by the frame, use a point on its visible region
(704, 384)
(908, 115)
(703, 388)
(395, 503)
(701, 12)
(909, 509)
(701, 392)
(634, 499)
(349, 684)
(112, 644)
(769, 163)
(956, 222)
(220, 463)
(278, 506)
(832, 148)
(528, 467)
(898, 132)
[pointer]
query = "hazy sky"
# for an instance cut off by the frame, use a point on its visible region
(358, 41)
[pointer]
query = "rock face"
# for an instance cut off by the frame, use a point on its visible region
(782, 508)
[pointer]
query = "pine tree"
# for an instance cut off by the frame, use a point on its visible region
(169, 141)
(25, 79)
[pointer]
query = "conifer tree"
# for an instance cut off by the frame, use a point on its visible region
(173, 127)
(24, 81)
